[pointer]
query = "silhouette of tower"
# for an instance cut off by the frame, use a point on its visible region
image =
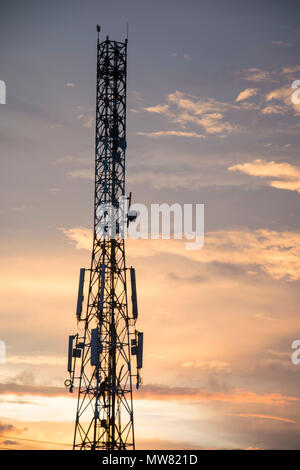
(100, 356)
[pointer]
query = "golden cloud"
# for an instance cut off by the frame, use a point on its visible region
(184, 109)
(275, 253)
(81, 236)
(287, 175)
(245, 94)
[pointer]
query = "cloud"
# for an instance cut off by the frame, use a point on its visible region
(191, 279)
(7, 427)
(287, 176)
(9, 442)
(84, 173)
(87, 120)
(213, 124)
(66, 159)
(20, 208)
(159, 109)
(281, 43)
(176, 133)
(53, 190)
(36, 360)
(33, 390)
(159, 180)
(161, 392)
(254, 75)
(40, 435)
(284, 94)
(207, 365)
(274, 109)
(277, 254)
(80, 235)
(261, 316)
(261, 416)
(292, 69)
(186, 110)
(247, 93)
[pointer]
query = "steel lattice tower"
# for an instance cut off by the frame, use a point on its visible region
(104, 419)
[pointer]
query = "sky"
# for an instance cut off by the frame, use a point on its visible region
(210, 120)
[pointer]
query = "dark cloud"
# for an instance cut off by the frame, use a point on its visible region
(9, 442)
(7, 427)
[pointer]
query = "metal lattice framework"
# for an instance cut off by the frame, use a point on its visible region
(104, 418)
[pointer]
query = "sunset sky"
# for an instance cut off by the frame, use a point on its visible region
(211, 121)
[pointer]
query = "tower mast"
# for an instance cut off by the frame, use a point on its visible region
(104, 417)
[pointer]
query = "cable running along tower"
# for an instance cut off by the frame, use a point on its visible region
(100, 354)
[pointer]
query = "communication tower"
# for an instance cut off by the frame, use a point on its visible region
(100, 354)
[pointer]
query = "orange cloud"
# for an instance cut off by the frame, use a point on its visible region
(245, 94)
